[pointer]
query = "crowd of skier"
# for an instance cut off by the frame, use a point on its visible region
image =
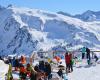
(43, 70)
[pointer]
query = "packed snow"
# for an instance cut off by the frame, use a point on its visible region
(3, 70)
(85, 73)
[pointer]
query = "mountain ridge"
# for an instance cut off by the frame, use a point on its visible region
(87, 16)
(25, 30)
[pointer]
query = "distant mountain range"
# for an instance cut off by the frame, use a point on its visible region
(86, 16)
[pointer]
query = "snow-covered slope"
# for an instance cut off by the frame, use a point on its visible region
(23, 30)
(85, 73)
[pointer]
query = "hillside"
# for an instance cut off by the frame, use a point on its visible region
(23, 30)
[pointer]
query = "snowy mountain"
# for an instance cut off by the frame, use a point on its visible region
(66, 14)
(89, 16)
(86, 16)
(23, 30)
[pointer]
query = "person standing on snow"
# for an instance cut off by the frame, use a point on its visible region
(71, 62)
(83, 52)
(96, 57)
(68, 62)
(88, 55)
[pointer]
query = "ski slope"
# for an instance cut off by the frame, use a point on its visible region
(85, 73)
(82, 71)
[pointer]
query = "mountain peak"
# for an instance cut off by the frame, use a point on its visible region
(64, 13)
(89, 16)
(89, 11)
(10, 5)
(1, 7)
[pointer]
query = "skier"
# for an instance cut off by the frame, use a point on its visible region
(83, 52)
(68, 62)
(88, 56)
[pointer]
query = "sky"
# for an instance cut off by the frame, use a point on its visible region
(69, 6)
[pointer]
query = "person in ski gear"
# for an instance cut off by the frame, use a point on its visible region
(33, 75)
(67, 61)
(42, 66)
(96, 57)
(16, 64)
(40, 74)
(22, 72)
(71, 62)
(28, 68)
(57, 58)
(23, 59)
(60, 73)
(9, 74)
(83, 52)
(88, 55)
(48, 70)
